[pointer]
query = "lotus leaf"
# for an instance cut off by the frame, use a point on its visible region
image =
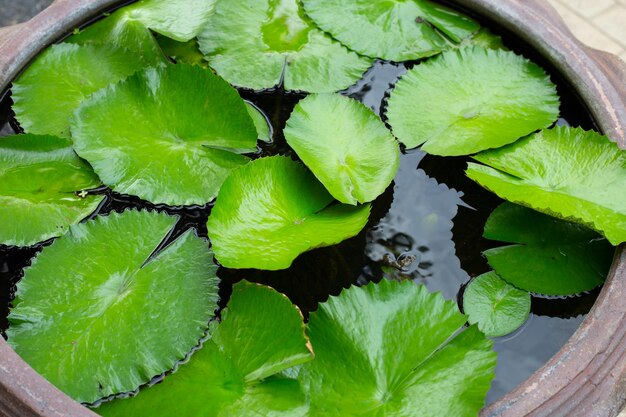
(273, 209)
(40, 182)
(568, 173)
(265, 43)
(175, 144)
(98, 313)
(238, 371)
(469, 100)
(345, 144)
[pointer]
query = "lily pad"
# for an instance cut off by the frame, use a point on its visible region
(394, 348)
(345, 144)
(174, 144)
(568, 173)
(273, 209)
(551, 256)
(40, 181)
(187, 52)
(469, 100)
(497, 307)
(97, 315)
(261, 122)
(237, 371)
(396, 30)
(61, 78)
(264, 43)
(129, 27)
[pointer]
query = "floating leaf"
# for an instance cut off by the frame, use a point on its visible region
(484, 38)
(174, 145)
(187, 52)
(551, 256)
(273, 209)
(393, 30)
(345, 144)
(497, 307)
(469, 100)
(62, 77)
(40, 177)
(236, 372)
(97, 315)
(564, 172)
(261, 122)
(262, 43)
(128, 27)
(393, 349)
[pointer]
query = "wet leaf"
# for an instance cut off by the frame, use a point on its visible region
(96, 315)
(396, 30)
(345, 144)
(497, 307)
(174, 145)
(187, 52)
(281, 210)
(61, 78)
(237, 371)
(393, 348)
(469, 100)
(568, 173)
(40, 177)
(262, 43)
(261, 122)
(550, 256)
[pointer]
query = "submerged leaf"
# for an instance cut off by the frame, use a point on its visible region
(187, 52)
(174, 144)
(262, 43)
(271, 210)
(97, 315)
(393, 348)
(396, 30)
(61, 78)
(565, 172)
(551, 256)
(469, 100)
(236, 372)
(497, 307)
(40, 178)
(345, 144)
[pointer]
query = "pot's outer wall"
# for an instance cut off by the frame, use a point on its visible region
(587, 378)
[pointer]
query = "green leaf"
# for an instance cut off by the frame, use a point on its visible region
(282, 211)
(565, 172)
(40, 177)
(345, 144)
(262, 43)
(187, 52)
(261, 122)
(497, 307)
(174, 144)
(392, 349)
(469, 100)
(61, 78)
(129, 27)
(396, 30)
(484, 38)
(551, 256)
(236, 372)
(96, 315)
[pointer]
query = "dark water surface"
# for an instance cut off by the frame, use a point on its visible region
(430, 220)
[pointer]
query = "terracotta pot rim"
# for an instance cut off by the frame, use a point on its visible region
(587, 377)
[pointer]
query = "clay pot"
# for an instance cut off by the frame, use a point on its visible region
(587, 377)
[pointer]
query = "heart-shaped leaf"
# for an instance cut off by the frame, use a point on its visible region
(564, 172)
(174, 145)
(471, 99)
(236, 372)
(263, 43)
(345, 144)
(497, 307)
(273, 209)
(61, 78)
(394, 349)
(551, 256)
(396, 30)
(40, 181)
(97, 315)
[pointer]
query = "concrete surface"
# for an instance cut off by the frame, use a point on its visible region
(16, 11)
